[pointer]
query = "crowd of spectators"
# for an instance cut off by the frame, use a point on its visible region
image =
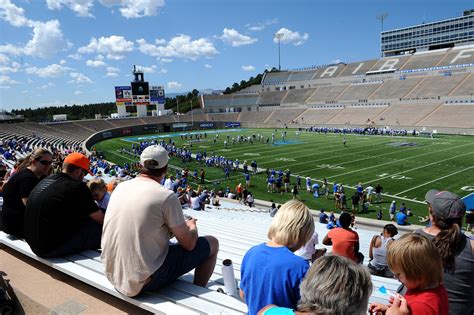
(57, 214)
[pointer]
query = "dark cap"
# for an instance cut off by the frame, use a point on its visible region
(445, 204)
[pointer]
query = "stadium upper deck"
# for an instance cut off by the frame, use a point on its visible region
(442, 76)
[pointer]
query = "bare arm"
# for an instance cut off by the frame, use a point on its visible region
(97, 216)
(371, 255)
(242, 294)
(327, 240)
(186, 234)
(24, 200)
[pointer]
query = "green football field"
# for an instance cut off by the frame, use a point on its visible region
(406, 167)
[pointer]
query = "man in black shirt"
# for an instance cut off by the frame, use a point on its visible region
(16, 191)
(61, 216)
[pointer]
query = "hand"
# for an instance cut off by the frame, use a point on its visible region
(398, 307)
(377, 308)
(190, 222)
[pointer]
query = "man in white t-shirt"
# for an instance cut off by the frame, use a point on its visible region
(169, 183)
(141, 218)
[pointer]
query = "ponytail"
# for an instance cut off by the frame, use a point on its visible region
(448, 241)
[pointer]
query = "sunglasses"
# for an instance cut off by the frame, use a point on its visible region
(44, 162)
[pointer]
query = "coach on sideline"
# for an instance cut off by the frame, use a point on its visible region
(141, 218)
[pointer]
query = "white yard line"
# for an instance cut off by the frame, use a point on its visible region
(417, 168)
(435, 180)
(404, 159)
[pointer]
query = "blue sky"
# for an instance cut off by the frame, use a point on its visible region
(58, 52)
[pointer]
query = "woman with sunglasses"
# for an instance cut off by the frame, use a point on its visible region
(34, 168)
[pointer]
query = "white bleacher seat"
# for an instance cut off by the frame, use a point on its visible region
(237, 228)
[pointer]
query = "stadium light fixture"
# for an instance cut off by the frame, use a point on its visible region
(278, 36)
(381, 17)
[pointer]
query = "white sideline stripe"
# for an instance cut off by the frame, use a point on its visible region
(416, 168)
(432, 181)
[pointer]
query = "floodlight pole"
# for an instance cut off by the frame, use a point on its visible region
(177, 108)
(278, 36)
(381, 17)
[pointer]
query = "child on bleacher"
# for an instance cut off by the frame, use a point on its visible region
(415, 262)
(271, 273)
(99, 193)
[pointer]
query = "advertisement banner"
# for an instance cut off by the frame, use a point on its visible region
(180, 125)
(157, 95)
(206, 125)
(232, 124)
(123, 94)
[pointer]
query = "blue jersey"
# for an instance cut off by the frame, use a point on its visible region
(271, 275)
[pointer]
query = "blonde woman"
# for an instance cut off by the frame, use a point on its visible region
(271, 273)
(30, 172)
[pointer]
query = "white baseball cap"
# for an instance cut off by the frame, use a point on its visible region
(154, 157)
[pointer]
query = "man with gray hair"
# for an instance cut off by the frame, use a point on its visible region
(141, 218)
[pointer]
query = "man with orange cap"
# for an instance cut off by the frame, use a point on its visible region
(61, 217)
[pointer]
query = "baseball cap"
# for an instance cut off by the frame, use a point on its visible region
(154, 157)
(79, 160)
(445, 204)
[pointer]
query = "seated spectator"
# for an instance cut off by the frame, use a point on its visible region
(378, 251)
(249, 200)
(323, 217)
(61, 217)
(416, 263)
(309, 251)
(18, 188)
(215, 200)
(141, 218)
(402, 218)
(333, 285)
(470, 220)
(344, 240)
(195, 205)
(446, 211)
(277, 281)
(182, 197)
(112, 185)
(99, 193)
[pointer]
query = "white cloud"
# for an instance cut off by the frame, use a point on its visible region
(75, 56)
(115, 47)
(11, 49)
(151, 69)
(111, 75)
(46, 86)
(6, 81)
(248, 68)
(62, 62)
(96, 63)
(12, 14)
(180, 47)
(166, 60)
(135, 8)
(47, 39)
(78, 93)
(163, 71)
(174, 85)
(47, 36)
(235, 39)
(81, 7)
(113, 69)
(15, 67)
(51, 71)
(290, 37)
(261, 26)
(208, 66)
(79, 78)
